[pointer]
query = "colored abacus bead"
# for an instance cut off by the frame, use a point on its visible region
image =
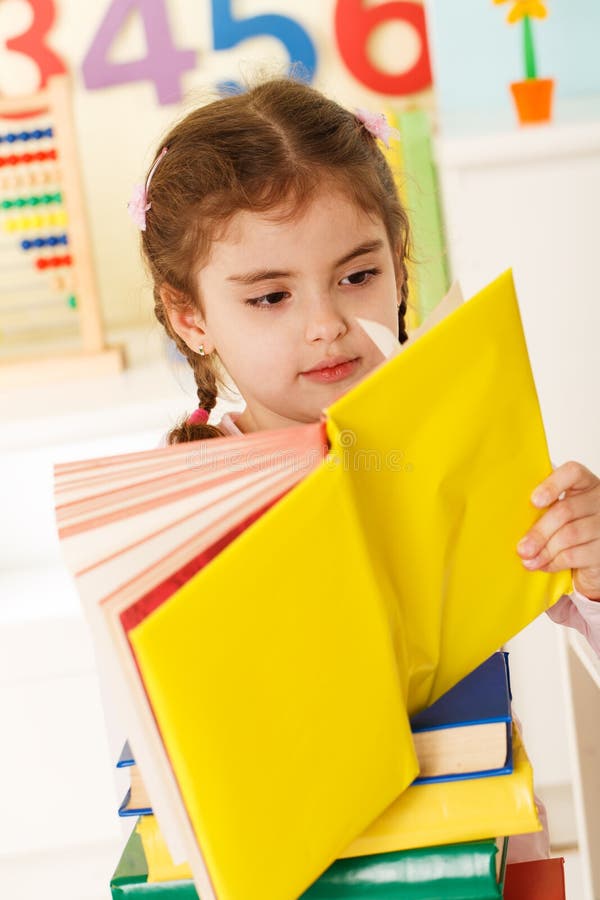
(26, 158)
(27, 223)
(53, 262)
(54, 240)
(32, 201)
(36, 135)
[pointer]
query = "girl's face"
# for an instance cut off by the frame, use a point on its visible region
(279, 302)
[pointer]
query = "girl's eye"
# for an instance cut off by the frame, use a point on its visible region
(267, 299)
(361, 277)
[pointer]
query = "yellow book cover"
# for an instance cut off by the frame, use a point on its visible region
(271, 690)
(158, 859)
(451, 812)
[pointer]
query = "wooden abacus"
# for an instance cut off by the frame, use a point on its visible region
(50, 319)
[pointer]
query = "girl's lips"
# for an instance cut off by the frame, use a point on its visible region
(333, 373)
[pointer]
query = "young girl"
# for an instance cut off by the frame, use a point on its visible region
(269, 222)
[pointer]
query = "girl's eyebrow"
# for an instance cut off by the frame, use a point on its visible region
(257, 275)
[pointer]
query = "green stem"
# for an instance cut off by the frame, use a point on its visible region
(530, 63)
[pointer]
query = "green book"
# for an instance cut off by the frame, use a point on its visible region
(470, 871)
(131, 877)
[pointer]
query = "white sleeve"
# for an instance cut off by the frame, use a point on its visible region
(577, 611)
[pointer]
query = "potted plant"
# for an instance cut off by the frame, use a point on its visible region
(533, 95)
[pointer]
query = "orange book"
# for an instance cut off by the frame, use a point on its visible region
(540, 879)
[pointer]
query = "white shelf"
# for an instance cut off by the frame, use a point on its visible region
(536, 143)
(581, 669)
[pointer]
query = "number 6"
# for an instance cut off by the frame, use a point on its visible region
(354, 24)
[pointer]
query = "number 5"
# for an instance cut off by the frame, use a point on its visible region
(229, 31)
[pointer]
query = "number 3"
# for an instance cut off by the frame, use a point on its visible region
(32, 44)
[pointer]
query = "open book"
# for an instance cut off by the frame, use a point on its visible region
(276, 605)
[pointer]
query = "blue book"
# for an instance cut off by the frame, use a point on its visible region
(467, 732)
(136, 801)
(126, 758)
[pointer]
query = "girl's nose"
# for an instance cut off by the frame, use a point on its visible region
(325, 321)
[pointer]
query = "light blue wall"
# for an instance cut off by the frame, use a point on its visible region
(476, 53)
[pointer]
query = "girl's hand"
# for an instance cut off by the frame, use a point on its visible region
(567, 536)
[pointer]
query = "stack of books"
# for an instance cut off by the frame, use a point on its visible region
(277, 608)
(439, 840)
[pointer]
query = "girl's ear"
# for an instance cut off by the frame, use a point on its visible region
(185, 319)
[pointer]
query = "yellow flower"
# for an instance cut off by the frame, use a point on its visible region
(522, 8)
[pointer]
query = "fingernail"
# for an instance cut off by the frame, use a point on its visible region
(530, 563)
(526, 546)
(540, 498)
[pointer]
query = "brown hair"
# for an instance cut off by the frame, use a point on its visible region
(253, 151)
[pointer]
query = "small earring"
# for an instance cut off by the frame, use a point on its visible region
(201, 351)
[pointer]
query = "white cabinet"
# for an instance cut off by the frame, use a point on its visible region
(529, 199)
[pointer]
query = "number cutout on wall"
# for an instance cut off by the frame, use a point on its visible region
(163, 64)
(229, 31)
(32, 44)
(354, 24)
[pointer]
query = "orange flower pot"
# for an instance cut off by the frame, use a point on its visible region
(533, 99)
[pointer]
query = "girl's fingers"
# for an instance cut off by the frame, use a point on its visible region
(585, 579)
(574, 546)
(571, 476)
(561, 514)
(567, 536)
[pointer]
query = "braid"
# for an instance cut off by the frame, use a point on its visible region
(403, 306)
(205, 376)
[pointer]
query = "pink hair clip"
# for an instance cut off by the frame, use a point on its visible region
(378, 125)
(198, 417)
(138, 206)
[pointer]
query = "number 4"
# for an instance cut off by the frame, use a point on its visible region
(163, 63)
